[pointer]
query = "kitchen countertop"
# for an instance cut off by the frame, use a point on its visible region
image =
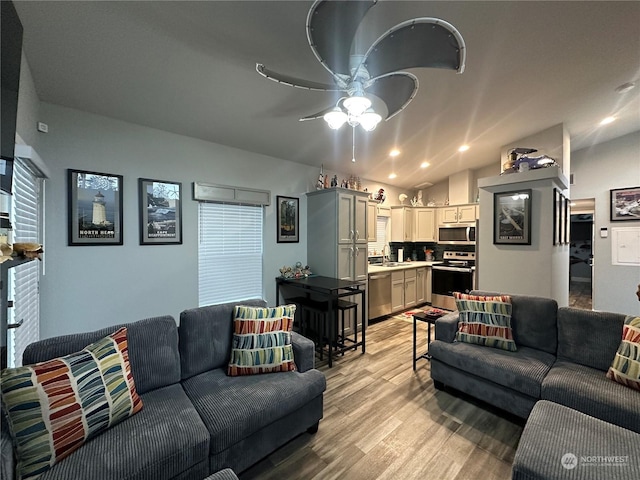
(402, 266)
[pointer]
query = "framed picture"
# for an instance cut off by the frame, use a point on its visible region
(287, 216)
(160, 212)
(566, 220)
(95, 208)
(512, 218)
(625, 204)
(557, 204)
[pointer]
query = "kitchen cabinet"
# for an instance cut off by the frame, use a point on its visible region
(401, 224)
(421, 291)
(424, 225)
(372, 220)
(457, 214)
(337, 238)
(403, 289)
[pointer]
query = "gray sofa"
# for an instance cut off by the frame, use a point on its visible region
(563, 355)
(557, 380)
(195, 419)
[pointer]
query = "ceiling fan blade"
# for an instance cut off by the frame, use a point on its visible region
(420, 42)
(295, 82)
(315, 116)
(396, 90)
(331, 26)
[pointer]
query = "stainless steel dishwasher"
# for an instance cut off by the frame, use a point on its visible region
(379, 292)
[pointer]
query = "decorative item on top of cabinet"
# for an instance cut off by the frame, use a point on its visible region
(457, 214)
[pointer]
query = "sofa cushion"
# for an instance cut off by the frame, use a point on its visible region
(205, 336)
(522, 371)
(485, 320)
(54, 407)
(166, 440)
(589, 390)
(589, 338)
(625, 368)
(561, 443)
(262, 340)
(153, 350)
(233, 408)
(533, 321)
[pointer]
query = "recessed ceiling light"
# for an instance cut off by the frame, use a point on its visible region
(424, 164)
(394, 153)
(625, 87)
(392, 176)
(608, 120)
(463, 148)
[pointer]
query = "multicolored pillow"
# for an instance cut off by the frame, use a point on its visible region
(485, 320)
(54, 407)
(262, 340)
(625, 368)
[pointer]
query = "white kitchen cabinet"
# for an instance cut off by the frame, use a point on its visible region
(421, 290)
(458, 214)
(424, 225)
(372, 220)
(428, 285)
(403, 289)
(402, 224)
(337, 238)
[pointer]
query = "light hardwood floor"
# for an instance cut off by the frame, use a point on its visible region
(382, 420)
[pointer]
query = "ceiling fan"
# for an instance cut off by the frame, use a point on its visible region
(419, 42)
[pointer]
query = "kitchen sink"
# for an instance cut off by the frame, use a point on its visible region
(393, 264)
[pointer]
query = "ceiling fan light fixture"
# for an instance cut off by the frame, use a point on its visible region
(356, 105)
(335, 118)
(369, 120)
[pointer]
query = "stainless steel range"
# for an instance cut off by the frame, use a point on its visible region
(456, 273)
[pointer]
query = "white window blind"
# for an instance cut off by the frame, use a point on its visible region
(24, 279)
(381, 235)
(229, 253)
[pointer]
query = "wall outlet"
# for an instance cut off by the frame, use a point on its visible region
(43, 127)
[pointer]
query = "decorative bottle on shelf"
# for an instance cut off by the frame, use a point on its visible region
(320, 184)
(446, 202)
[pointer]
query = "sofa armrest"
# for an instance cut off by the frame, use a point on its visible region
(7, 462)
(446, 327)
(304, 352)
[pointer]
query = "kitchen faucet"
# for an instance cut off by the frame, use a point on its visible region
(386, 258)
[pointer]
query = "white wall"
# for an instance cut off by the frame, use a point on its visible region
(87, 288)
(596, 170)
(28, 106)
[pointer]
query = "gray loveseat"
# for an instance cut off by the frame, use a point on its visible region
(195, 420)
(558, 376)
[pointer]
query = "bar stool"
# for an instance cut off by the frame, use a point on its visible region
(343, 306)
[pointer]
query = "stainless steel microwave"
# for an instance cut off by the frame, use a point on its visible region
(457, 234)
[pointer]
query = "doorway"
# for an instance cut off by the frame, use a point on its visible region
(581, 254)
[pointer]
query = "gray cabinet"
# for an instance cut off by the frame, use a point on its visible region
(421, 290)
(337, 237)
(403, 289)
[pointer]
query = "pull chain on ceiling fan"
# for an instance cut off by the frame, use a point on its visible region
(419, 42)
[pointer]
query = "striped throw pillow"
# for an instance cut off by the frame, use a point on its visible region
(262, 340)
(625, 368)
(485, 320)
(55, 406)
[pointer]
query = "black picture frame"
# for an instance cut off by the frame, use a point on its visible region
(160, 212)
(566, 220)
(625, 204)
(557, 203)
(287, 219)
(512, 218)
(94, 208)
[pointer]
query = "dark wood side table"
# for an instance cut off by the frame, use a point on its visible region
(429, 320)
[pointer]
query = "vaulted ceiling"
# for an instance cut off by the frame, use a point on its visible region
(189, 68)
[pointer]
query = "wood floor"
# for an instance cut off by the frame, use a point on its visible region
(382, 420)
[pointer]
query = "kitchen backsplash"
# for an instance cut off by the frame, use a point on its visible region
(418, 248)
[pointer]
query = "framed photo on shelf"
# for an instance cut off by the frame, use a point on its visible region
(625, 204)
(287, 217)
(160, 204)
(512, 218)
(95, 208)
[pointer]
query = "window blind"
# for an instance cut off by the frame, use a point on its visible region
(381, 235)
(229, 252)
(24, 279)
